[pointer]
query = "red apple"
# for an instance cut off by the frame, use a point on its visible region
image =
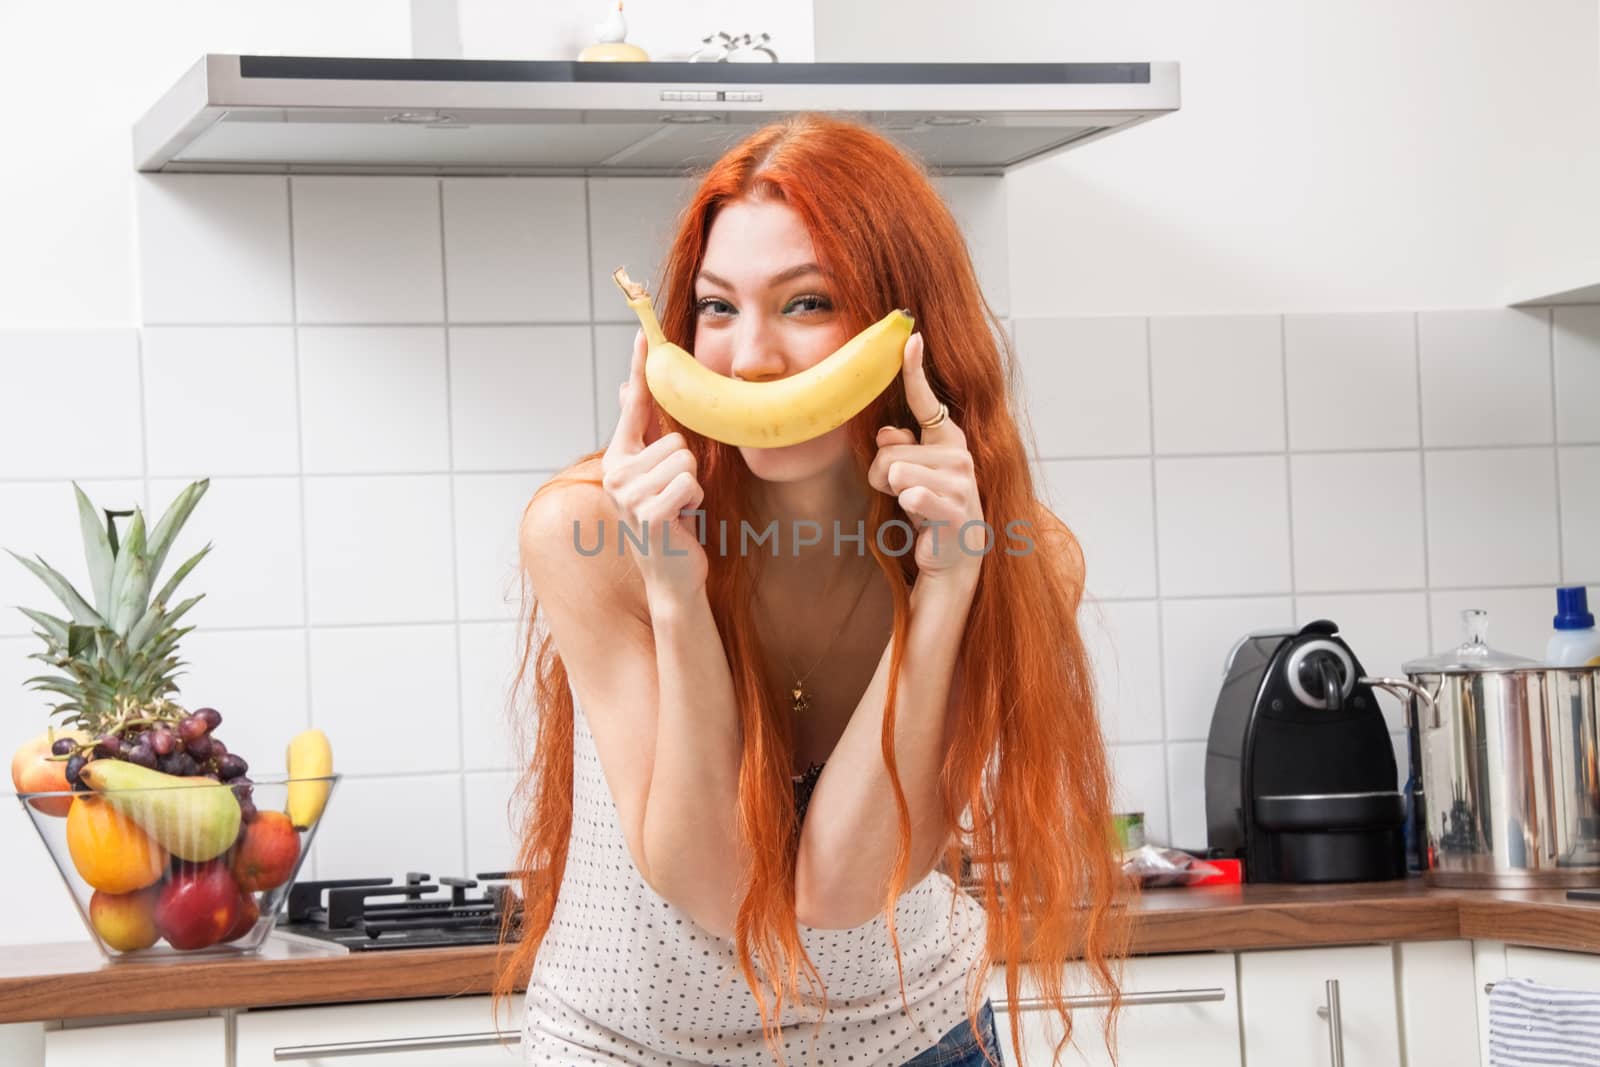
(266, 853)
(198, 905)
(248, 914)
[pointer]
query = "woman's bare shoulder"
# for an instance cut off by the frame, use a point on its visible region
(568, 542)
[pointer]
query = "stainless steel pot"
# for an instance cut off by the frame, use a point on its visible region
(1510, 767)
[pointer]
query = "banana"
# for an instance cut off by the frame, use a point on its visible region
(310, 756)
(768, 414)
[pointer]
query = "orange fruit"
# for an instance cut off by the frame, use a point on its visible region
(108, 848)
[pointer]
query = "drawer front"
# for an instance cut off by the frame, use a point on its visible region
(1177, 1009)
(455, 1032)
(161, 1043)
(1570, 970)
(1281, 992)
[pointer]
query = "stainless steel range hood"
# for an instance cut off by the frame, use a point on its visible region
(322, 115)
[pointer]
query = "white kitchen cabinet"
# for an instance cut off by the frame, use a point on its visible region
(1570, 970)
(452, 1032)
(1494, 960)
(22, 1044)
(1281, 992)
(1437, 1000)
(160, 1043)
(1176, 1009)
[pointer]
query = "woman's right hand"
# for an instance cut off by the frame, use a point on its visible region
(648, 485)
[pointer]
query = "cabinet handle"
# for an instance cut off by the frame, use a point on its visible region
(1330, 1012)
(1129, 1000)
(399, 1044)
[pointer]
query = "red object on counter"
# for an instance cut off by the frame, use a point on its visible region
(1229, 872)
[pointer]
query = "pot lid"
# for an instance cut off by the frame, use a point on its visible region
(1473, 654)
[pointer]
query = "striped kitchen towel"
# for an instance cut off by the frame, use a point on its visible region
(1536, 1025)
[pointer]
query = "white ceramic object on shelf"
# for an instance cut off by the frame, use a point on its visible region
(611, 42)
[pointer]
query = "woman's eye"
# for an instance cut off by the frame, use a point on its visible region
(712, 305)
(812, 302)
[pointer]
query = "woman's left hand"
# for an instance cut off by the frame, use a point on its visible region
(933, 480)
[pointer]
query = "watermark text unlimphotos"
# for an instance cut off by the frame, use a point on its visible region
(894, 538)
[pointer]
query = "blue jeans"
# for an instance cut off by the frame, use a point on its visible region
(959, 1048)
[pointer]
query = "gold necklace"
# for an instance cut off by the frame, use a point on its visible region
(800, 700)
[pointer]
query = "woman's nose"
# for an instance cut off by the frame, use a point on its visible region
(758, 358)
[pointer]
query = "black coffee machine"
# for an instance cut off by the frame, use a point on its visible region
(1300, 771)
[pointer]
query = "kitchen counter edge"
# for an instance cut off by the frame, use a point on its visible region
(72, 981)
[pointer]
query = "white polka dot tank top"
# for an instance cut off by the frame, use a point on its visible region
(623, 976)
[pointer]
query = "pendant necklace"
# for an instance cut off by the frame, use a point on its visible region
(800, 700)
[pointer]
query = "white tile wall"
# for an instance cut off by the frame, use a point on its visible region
(376, 372)
(1577, 352)
(1486, 377)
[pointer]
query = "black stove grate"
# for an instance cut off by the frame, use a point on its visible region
(369, 914)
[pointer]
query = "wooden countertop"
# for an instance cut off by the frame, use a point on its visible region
(73, 980)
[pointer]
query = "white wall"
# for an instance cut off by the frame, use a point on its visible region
(1353, 156)
(376, 372)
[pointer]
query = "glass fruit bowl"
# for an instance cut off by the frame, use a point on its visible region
(193, 868)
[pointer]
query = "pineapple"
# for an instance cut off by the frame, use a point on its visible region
(116, 659)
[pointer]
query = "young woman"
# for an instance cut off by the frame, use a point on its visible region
(773, 747)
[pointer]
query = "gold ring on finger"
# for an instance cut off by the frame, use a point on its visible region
(928, 424)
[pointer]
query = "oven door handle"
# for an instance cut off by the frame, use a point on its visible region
(393, 1045)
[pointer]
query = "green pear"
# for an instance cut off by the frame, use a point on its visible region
(193, 818)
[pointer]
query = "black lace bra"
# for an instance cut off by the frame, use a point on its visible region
(803, 785)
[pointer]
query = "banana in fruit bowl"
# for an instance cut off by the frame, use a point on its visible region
(769, 414)
(309, 757)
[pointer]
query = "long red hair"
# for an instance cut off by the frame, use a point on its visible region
(1026, 781)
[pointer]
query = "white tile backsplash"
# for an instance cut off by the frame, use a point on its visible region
(1124, 642)
(613, 358)
(491, 845)
(373, 399)
(431, 347)
(1485, 377)
(979, 206)
(1357, 521)
(516, 250)
(1186, 788)
(213, 248)
(1580, 516)
(221, 400)
(379, 550)
(1218, 383)
(258, 680)
(1107, 503)
(490, 652)
(395, 688)
(631, 223)
(81, 418)
(1492, 517)
(367, 250)
(488, 513)
(1140, 780)
(1352, 380)
(254, 573)
(366, 817)
(1577, 351)
(521, 397)
(1086, 383)
(1222, 525)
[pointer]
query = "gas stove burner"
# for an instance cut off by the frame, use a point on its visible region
(365, 914)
